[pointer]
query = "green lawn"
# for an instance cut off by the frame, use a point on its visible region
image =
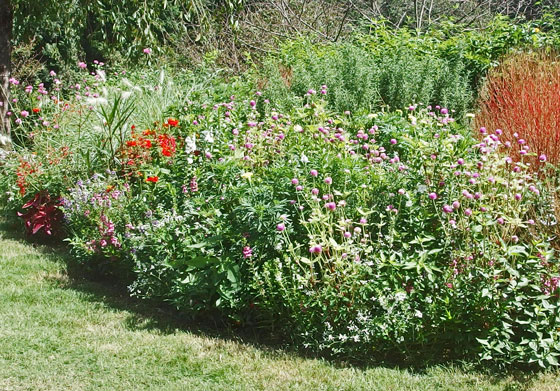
(58, 333)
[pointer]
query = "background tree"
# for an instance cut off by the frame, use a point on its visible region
(5, 64)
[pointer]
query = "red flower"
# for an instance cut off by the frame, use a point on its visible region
(131, 143)
(172, 122)
(147, 144)
(152, 179)
(36, 109)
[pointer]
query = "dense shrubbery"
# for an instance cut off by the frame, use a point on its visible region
(399, 67)
(372, 234)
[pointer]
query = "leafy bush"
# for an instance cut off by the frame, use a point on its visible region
(380, 235)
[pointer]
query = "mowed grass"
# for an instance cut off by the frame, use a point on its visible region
(59, 333)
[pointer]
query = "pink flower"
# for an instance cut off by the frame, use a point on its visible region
(295, 181)
(393, 141)
(500, 220)
(468, 212)
(330, 205)
(82, 65)
(456, 204)
(447, 209)
(315, 191)
(542, 158)
(24, 113)
(328, 180)
(147, 50)
(247, 252)
(280, 227)
(313, 173)
(317, 249)
(432, 196)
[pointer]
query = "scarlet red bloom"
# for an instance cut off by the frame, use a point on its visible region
(152, 179)
(167, 144)
(36, 109)
(172, 122)
(131, 143)
(147, 144)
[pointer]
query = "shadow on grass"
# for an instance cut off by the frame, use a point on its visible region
(147, 315)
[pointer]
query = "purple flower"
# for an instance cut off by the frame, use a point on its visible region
(280, 227)
(330, 205)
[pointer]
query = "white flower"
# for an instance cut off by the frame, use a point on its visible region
(304, 159)
(418, 314)
(190, 144)
(102, 75)
(208, 137)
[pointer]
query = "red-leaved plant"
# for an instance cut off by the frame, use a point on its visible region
(42, 214)
(522, 97)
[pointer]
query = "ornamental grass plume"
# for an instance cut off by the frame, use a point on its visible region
(521, 97)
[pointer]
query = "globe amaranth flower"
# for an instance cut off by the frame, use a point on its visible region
(316, 249)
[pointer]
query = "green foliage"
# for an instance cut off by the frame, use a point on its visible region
(399, 67)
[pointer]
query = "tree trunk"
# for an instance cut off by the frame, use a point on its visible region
(6, 20)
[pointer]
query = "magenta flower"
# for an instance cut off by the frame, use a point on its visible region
(299, 188)
(468, 212)
(280, 227)
(313, 173)
(247, 252)
(432, 196)
(447, 209)
(330, 205)
(317, 249)
(295, 181)
(542, 158)
(456, 204)
(147, 50)
(393, 141)
(328, 180)
(500, 220)
(315, 191)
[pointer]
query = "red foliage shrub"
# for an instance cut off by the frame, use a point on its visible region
(522, 97)
(42, 215)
